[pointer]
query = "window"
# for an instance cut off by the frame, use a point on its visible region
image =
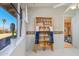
(8, 27)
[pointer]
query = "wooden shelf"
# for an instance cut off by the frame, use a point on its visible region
(43, 40)
(44, 24)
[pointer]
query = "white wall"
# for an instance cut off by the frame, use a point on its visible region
(75, 21)
(20, 49)
(56, 14)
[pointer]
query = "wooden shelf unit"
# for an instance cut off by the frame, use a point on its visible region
(44, 23)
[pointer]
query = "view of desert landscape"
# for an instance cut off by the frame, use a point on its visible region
(7, 26)
(4, 35)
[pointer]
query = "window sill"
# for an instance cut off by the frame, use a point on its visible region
(10, 48)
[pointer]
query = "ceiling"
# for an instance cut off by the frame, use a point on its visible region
(11, 10)
(45, 4)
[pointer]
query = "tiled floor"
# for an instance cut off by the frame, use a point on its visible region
(56, 52)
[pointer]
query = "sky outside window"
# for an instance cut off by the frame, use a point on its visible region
(8, 17)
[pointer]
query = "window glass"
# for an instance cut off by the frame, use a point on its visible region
(8, 27)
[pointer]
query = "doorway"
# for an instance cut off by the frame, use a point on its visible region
(67, 32)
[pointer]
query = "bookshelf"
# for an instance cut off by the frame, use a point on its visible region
(44, 23)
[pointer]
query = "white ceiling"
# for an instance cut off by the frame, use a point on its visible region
(45, 4)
